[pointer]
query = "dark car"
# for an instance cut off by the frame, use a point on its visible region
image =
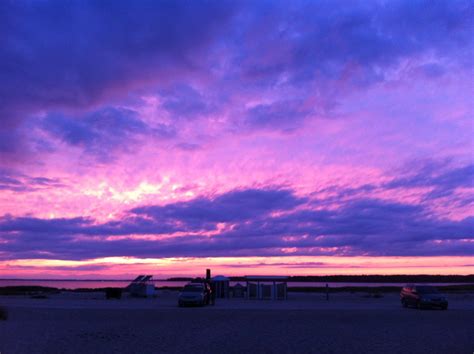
(422, 296)
(207, 288)
(194, 294)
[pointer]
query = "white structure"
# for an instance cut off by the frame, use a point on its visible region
(142, 286)
(266, 287)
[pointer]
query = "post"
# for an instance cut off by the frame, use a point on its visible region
(208, 275)
(327, 292)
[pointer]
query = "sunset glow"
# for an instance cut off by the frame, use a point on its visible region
(126, 268)
(304, 138)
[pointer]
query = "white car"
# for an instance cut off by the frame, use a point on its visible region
(193, 294)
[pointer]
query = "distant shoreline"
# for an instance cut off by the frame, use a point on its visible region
(401, 278)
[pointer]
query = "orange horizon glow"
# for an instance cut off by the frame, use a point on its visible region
(127, 267)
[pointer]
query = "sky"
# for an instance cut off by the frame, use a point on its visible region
(252, 137)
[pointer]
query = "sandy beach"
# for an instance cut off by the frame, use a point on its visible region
(305, 323)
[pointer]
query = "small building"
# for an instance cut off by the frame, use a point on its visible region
(142, 286)
(266, 287)
(238, 290)
(221, 286)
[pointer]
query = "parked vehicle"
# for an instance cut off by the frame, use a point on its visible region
(207, 288)
(194, 294)
(422, 296)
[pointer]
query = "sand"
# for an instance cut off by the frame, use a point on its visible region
(305, 323)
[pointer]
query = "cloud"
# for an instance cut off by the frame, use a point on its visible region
(75, 55)
(234, 206)
(354, 42)
(102, 133)
(429, 173)
(446, 182)
(18, 182)
(281, 115)
(86, 267)
(98, 79)
(439, 179)
(13, 145)
(86, 55)
(188, 146)
(185, 102)
(44, 226)
(259, 222)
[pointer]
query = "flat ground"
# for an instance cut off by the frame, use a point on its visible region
(305, 323)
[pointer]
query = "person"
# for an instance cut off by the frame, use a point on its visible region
(213, 293)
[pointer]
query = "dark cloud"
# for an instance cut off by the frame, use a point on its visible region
(18, 182)
(185, 102)
(82, 54)
(441, 177)
(435, 174)
(349, 41)
(325, 50)
(76, 53)
(282, 115)
(102, 133)
(59, 57)
(50, 226)
(234, 206)
(264, 223)
(15, 144)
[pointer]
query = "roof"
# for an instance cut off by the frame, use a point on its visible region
(220, 278)
(266, 277)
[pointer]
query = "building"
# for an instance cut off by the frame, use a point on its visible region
(266, 287)
(238, 290)
(221, 286)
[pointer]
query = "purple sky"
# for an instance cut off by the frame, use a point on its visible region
(304, 131)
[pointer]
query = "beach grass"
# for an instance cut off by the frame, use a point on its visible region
(28, 290)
